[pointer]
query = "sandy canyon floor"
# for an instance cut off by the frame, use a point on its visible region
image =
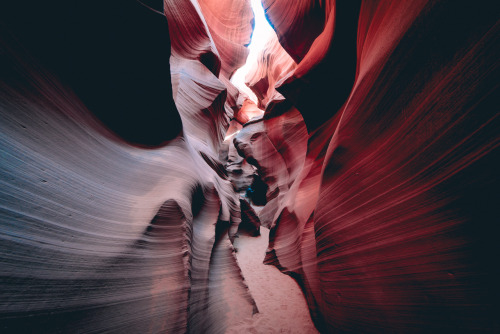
(281, 304)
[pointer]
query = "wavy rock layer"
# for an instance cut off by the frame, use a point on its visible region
(115, 216)
(375, 168)
(386, 217)
(273, 64)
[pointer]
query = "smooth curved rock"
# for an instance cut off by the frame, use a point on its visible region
(240, 172)
(98, 235)
(273, 64)
(248, 111)
(297, 25)
(119, 180)
(325, 54)
(250, 222)
(230, 24)
(276, 147)
(388, 225)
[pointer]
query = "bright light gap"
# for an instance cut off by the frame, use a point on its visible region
(262, 33)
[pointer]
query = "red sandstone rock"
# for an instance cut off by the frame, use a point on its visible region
(240, 172)
(383, 209)
(273, 64)
(230, 24)
(276, 147)
(386, 225)
(98, 235)
(250, 222)
(248, 111)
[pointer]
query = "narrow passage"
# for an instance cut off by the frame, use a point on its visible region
(281, 304)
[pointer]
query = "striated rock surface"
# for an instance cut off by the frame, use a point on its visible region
(230, 24)
(387, 223)
(125, 151)
(240, 172)
(115, 210)
(250, 221)
(273, 64)
(248, 111)
(276, 147)
(325, 53)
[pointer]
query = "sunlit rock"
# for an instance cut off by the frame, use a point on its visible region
(273, 64)
(131, 161)
(386, 224)
(99, 235)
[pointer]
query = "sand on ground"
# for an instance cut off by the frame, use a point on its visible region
(281, 304)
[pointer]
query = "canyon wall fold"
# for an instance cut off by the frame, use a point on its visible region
(116, 215)
(388, 222)
(128, 161)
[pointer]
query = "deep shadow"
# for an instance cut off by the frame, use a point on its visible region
(334, 76)
(257, 191)
(114, 54)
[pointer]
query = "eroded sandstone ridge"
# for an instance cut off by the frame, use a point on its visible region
(129, 160)
(115, 207)
(384, 210)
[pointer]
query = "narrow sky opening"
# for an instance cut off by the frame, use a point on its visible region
(262, 33)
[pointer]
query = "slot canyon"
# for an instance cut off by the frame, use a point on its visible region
(247, 166)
